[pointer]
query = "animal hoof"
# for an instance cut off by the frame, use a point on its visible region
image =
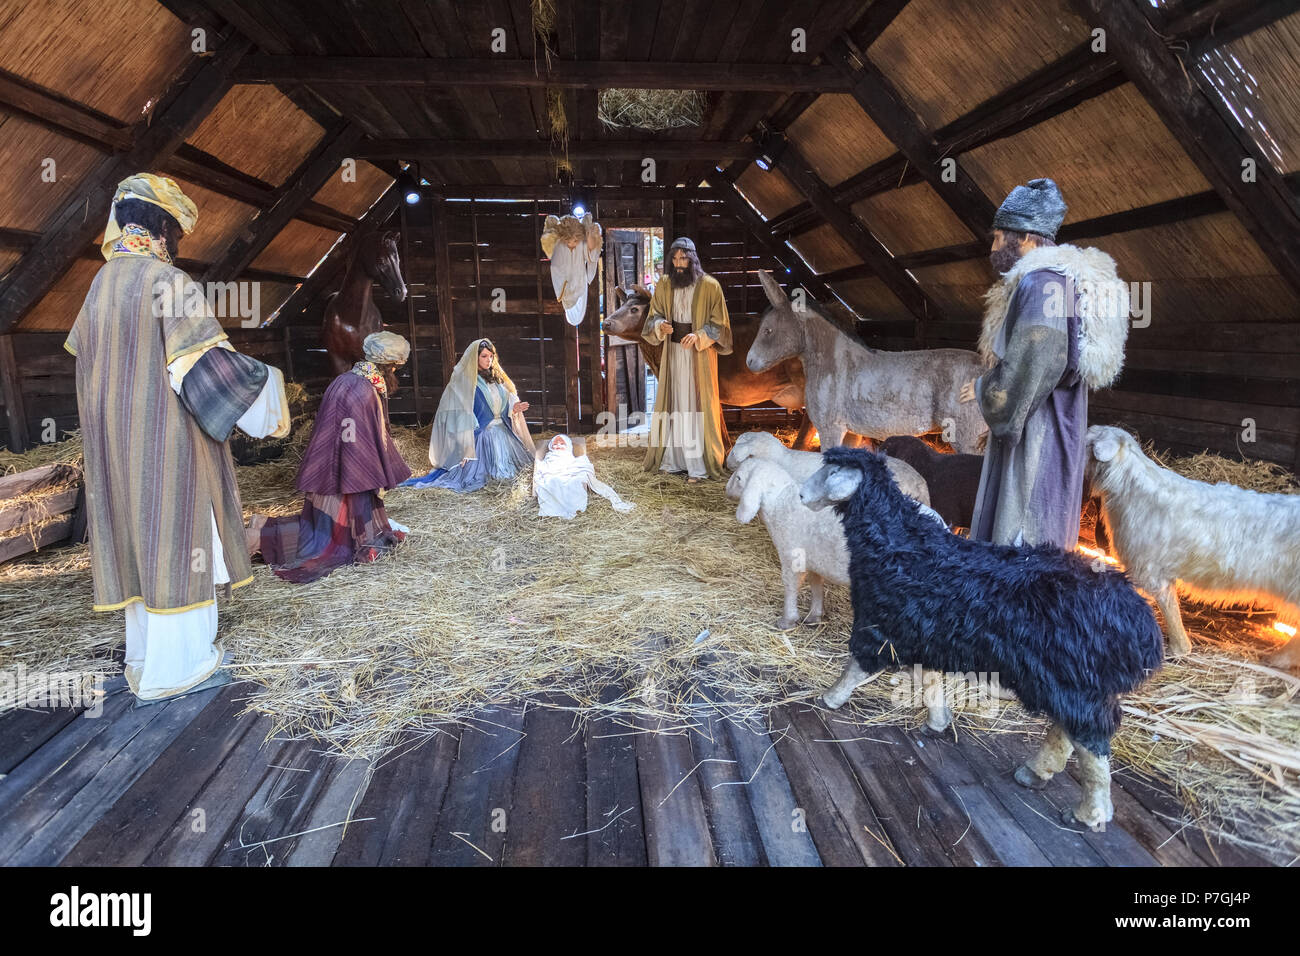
(1071, 819)
(832, 702)
(934, 731)
(1027, 778)
(786, 624)
(814, 619)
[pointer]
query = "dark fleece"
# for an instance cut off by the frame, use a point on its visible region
(1066, 637)
(953, 480)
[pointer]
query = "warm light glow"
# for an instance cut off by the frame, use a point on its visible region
(1094, 553)
(1286, 629)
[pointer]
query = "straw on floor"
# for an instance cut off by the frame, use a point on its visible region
(485, 602)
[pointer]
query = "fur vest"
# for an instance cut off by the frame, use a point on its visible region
(1103, 304)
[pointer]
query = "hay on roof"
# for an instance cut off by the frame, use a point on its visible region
(824, 249)
(768, 191)
(650, 109)
(911, 219)
(259, 131)
(837, 138)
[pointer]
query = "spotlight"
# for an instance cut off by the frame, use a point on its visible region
(579, 210)
(770, 147)
(409, 187)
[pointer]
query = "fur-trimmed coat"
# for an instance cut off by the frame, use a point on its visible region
(1054, 327)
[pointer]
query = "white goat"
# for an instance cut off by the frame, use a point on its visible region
(802, 465)
(1215, 543)
(809, 543)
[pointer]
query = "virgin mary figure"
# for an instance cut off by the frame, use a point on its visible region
(479, 430)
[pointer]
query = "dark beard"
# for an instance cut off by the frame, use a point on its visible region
(681, 277)
(1004, 259)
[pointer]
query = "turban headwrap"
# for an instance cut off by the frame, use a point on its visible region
(386, 348)
(157, 190)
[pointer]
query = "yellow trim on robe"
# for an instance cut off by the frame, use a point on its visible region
(197, 346)
(170, 610)
(70, 350)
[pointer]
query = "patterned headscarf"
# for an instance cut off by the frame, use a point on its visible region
(158, 190)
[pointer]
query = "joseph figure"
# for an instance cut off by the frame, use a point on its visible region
(688, 316)
(1054, 327)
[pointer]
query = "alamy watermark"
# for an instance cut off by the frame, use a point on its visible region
(240, 301)
(20, 687)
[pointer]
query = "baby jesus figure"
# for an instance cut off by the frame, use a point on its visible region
(561, 480)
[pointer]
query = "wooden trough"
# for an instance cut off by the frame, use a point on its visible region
(40, 507)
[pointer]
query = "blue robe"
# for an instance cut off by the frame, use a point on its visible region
(498, 452)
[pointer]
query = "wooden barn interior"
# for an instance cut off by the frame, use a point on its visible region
(855, 148)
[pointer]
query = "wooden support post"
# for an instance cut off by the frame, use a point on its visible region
(81, 217)
(442, 264)
(541, 314)
(288, 353)
(692, 221)
(572, 379)
(15, 409)
(670, 229)
(593, 351)
(410, 310)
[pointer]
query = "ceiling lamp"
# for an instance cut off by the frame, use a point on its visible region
(409, 187)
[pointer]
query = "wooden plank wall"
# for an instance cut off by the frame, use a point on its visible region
(1187, 389)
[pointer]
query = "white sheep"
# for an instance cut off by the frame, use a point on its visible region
(1216, 543)
(809, 544)
(802, 465)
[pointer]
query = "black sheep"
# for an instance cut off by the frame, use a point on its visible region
(953, 480)
(1068, 636)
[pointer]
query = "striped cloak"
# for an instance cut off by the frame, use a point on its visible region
(152, 475)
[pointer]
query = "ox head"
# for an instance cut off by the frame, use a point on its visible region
(382, 263)
(629, 318)
(757, 444)
(781, 332)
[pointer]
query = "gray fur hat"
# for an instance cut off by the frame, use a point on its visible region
(1036, 207)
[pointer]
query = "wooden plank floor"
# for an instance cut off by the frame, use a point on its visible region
(190, 783)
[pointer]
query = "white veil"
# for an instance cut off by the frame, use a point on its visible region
(452, 438)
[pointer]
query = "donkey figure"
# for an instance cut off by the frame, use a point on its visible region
(351, 313)
(852, 388)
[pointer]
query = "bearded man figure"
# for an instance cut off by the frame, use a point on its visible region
(1054, 327)
(688, 315)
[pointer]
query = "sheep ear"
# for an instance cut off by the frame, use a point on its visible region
(750, 499)
(841, 483)
(1105, 448)
(775, 294)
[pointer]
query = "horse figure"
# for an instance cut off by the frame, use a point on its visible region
(351, 313)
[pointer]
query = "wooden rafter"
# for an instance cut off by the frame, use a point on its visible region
(885, 106)
(331, 269)
(1266, 206)
(326, 71)
(72, 227)
(724, 186)
(660, 150)
(305, 182)
(797, 169)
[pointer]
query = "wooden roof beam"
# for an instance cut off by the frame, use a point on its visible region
(1218, 145)
(110, 135)
(659, 150)
(336, 260)
(885, 106)
(724, 186)
(307, 180)
(371, 71)
(796, 169)
(72, 228)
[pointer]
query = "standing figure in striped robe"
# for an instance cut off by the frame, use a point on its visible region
(350, 462)
(159, 389)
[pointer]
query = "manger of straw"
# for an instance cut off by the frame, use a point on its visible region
(671, 604)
